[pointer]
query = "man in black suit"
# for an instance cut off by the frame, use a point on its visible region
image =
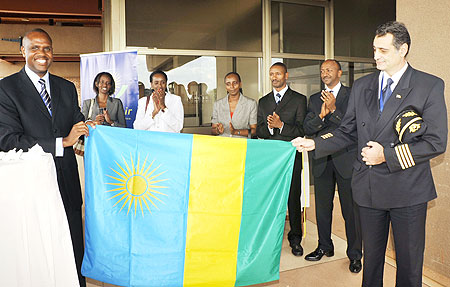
(392, 180)
(39, 108)
(280, 117)
(325, 112)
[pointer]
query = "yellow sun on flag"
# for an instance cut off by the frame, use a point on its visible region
(137, 185)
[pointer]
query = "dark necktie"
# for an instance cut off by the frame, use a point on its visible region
(386, 93)
(278, 98)
(45, 96)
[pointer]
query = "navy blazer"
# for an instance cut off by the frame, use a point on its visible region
(405, 178)
(25, 121)
(315, 126)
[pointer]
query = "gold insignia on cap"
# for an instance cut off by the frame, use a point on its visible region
(409, 114)
(398, 96)
(409, 124)
(404, 156)
(414, 128)
(398, 125)
(326, 136)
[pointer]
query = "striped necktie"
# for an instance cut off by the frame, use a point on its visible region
(278, 98)
(45, 96)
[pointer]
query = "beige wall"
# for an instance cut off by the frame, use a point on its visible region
(428, 23)
(67, 41)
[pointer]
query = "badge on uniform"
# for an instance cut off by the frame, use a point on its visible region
(326, 136)
(408, 126)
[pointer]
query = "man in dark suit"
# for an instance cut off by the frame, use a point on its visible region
(39, 108)
(392, 180)
(280, 117)
(325, 112)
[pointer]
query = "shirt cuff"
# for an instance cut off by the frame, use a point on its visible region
(270, 130)
(282, 125)
(59, 149)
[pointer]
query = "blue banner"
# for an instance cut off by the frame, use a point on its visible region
(122, 66)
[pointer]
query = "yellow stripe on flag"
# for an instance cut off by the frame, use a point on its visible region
(214, 213)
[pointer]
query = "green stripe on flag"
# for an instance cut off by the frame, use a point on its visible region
(268, 172)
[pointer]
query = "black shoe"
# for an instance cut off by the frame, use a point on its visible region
(297, 249)
(317, 254)
(355, 266)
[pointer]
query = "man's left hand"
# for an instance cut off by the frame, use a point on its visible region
(373, 153)
(274, 121)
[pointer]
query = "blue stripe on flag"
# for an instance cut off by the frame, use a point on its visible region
(142, 243)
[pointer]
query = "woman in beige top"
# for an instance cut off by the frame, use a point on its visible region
(235, 114)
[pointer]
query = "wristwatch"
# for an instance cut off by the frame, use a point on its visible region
(239, 132)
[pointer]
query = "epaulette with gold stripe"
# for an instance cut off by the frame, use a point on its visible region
(404, 156)
(326, 136)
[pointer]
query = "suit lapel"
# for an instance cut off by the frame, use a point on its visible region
(227, 108)
(284, 101)
(237, 109)
(399, 94)
(110, 107)
(55, 95)
(272, 105)
(341, 97)
(31, 92)
(371, 96)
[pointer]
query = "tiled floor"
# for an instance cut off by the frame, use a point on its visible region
(329, 272)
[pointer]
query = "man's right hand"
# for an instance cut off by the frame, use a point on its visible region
(303, 144)
(324, 111)
(77, 130)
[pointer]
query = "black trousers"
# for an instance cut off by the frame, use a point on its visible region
(76, 233)
(324, 189)
(294, 204)
(408, 226)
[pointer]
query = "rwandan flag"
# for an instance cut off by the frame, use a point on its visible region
(166, 209)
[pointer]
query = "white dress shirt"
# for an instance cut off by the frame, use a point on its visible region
(171, 120)
(59, 149)
(334, 90)
(383, 77)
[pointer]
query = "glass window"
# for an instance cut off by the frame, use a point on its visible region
(302, 28)
(304, 75)
(352, 71)
(199, 81)
(232, 25)
(355, 23)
